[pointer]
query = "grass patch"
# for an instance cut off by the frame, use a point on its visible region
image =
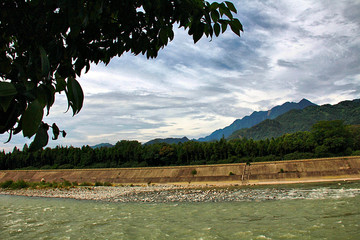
(83, 184)
(6, 184)
(10, 184)
(15, 185)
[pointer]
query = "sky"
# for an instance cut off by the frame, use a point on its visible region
(289, 50)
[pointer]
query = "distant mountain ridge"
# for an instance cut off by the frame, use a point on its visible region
(256, 118)
(302, 120)
(167, 140)
(100, 145)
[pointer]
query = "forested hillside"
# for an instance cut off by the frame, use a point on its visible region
(302, 120)
(255, 118)
(326, 139)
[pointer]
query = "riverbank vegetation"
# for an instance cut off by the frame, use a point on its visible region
(326, 139)
(20, 184)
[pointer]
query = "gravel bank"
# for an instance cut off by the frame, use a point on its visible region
(170, 193)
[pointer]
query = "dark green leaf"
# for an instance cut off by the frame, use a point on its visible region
(198, 31)
(31, 118)
(215, 15)
(8, 118)
(45, 65)
(75, 95)
(5, 102)
(171, 34)
(41, 138)
(163, 36)
(214, 6)
(60, 84)
(87, 67)
(224, 26)
(236, 23)
(56, 131)
(7, 89)
(46, 95)
(224, 10)
(216, 29)
(42, 95)
(235, 28)
(197, 35)
(231, 6)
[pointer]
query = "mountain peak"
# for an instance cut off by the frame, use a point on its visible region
(304, 100)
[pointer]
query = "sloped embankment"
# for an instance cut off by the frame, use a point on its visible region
(296, 170)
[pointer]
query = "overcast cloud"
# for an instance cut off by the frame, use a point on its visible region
(289, 50)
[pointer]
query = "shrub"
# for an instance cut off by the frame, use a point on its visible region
(85, 184)
(6, 184)
(99, 184)
(54, 185)
(108, 184)
(75, 183)
(19, 184)
(194, 172)
(66, 183)
(231, 173)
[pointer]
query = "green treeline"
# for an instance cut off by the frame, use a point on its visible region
(326, 139)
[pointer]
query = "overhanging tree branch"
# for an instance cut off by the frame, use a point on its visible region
(45, 45)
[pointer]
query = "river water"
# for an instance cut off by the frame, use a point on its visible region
(316, 212)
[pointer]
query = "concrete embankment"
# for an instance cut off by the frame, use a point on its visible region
(309, 170)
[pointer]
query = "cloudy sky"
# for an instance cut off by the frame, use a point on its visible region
(289, 50)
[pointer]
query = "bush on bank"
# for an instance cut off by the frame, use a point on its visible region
(20, 184)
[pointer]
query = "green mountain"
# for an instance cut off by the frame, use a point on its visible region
(302, 120)
(102, 145)
(255, 118)
(167, 140)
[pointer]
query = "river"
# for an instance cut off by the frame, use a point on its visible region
(324, 212)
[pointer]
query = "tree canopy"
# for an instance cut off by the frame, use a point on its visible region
(45, 45)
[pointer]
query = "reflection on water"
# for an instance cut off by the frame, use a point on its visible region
(325, 212)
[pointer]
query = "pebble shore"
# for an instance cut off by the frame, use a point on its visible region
(171, 193)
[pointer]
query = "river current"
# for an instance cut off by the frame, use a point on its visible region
(318, 215)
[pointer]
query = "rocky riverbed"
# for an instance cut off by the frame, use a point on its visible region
(173, 193)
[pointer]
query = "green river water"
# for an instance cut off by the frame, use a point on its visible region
(318, 216)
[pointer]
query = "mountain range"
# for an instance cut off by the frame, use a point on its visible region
(302, 120)
(100, 145)
(167, 140)
(287, 118)
(256, 118)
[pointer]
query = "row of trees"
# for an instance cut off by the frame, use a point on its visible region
(326, 139)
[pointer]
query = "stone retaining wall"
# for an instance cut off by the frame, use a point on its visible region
(260, 171)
